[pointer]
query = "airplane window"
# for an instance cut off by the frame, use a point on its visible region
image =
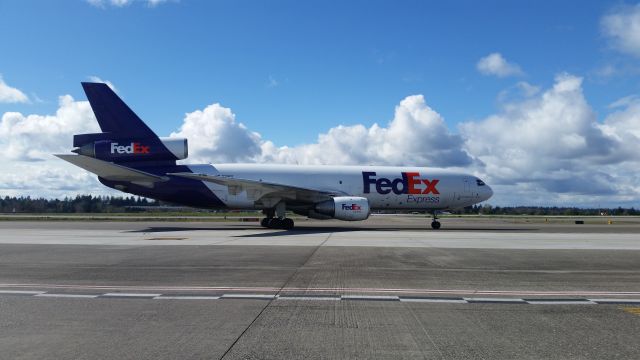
(479, 182)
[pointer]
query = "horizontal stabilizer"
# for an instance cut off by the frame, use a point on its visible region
(111, 171)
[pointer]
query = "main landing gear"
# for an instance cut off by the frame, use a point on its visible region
(435, 224)
(276, 223)
(275, 218)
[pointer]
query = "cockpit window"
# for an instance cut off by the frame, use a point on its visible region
(480, 182)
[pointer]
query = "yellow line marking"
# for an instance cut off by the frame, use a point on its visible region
(635, 310)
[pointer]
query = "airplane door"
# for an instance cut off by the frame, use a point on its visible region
(466, 194)
(467, 187)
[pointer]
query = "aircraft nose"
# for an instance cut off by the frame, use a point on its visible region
(488, 192)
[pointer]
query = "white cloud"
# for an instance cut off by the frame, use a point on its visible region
(545, 147)
(51, 179)
(122, 3)
(96, 79)
(35, 137)
(553, 144)
(28, 142)
(10, 94)
(495, 64)
(622, 27)
(417, 135)
(214, 135)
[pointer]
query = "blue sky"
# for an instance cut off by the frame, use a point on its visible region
(293, 69)
(541, 99)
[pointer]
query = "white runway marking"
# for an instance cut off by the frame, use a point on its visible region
(309, 298)
(496, 300)
(560, 302)
(616, 301)
(20, 292)
(81, 296)
(134, 295)
(370, 297)
(434, 300)
(248, 296)
(11, 287)
(304, 297)
(186, 297)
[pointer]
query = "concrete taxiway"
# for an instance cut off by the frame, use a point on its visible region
(385, 288)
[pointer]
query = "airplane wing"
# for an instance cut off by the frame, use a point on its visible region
(259, 189)
(111, 171)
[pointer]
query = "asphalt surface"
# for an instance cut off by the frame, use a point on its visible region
(384, 289)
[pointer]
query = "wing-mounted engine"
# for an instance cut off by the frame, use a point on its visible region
(348, 208)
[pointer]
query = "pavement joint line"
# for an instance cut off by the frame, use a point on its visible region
(284, 285)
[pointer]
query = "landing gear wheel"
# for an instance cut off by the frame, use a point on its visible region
(274, 223)
(265, 222)
(287, 224)
(435, 225)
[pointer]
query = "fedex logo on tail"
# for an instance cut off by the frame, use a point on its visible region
(409, 183)
(133, 148)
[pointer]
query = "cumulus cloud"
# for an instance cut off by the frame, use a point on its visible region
(35, 137)
(553, 144)
(28, 142)
(215, 135)
(417, 135)
(51, 179)
(545, 147)
(10, 94)
(495, 64)
(622, 27)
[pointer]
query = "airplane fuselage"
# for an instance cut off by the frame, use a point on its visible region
(392, 188)
(386, 188)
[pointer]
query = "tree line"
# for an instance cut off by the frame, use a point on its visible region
(78, 204)
(116, 204)
(550, 211)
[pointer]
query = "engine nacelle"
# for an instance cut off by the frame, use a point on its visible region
(348, 208)
(136, 149)
(177, 146)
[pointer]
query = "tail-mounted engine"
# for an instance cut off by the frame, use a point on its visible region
(99, 146)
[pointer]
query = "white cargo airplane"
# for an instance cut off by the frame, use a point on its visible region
(128, 156)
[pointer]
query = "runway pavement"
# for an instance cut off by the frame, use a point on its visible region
(386, 288)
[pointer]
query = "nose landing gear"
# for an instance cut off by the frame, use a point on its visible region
(435, 224)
